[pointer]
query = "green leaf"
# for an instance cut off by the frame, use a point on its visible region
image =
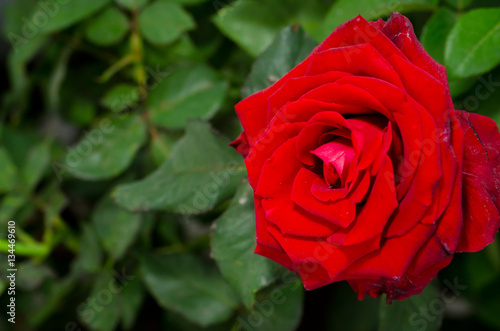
(249, 24)
(105, 294)
(186, 285)
(473, 46)
(121, 97)
(233, 245)
(163, 22)
(194, 92)
(479, 270)
(131, 299)
(8, 175)
(132, 4)
(487, 305)
(461, 85)
(57, 77)
(180, 51)
(54, 201)
(414, 313)
(459, 4)
(108, 28)
(24, 50)
(18, 144)
(14, 12)
(23, 214)
(17, 61)
(9, 206)
(345, 303)
(344, 10)
(107, 150)
(82, 111)
(26, 41)
(290, 47)
(37, 162)
(277, 308)
(169, 229)
(488, 103)
(161, 146)
(3, 286)
(188, 2)
(31, 275)
(90, 254)
(254, 24)
(116, 227)
(56, 293)
(64, 14)
(492, 252)
(200, 172)
(145, 236)
(23, 35)
(177, 322)
(436, 31)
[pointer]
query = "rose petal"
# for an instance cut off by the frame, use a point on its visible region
(419, 84)
(276, 190)
(340, 212)
(241, 145)
(302, 110)
(359, 60)
(294, 88)
(367, 132)
(308, 138)
(394, 258)
(277, 256)
(400, 31)
(379, 206)
(265, 146)
(262, 236)
(315, 250)
(337, 157)
(481, 181)
(252, 111)
(347, 95)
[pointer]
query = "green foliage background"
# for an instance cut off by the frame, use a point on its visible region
(131, 210)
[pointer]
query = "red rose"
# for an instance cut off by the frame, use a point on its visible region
(362, 169)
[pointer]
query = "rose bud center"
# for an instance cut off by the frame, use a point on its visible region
(337, 157)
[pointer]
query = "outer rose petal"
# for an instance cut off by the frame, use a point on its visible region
(252, 111)
(240, 144)
(400, 31)
(396, 254)
(365, 60)
(316, 251)
(263, 148)
(481, 182)
(275, 255)
(294, 88)
(358, 31)
(263, 237)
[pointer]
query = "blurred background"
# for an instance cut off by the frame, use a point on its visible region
(105, 175)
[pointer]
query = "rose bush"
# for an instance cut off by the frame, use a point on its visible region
(362, 169)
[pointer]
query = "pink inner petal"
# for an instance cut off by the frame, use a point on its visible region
(337, 157)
